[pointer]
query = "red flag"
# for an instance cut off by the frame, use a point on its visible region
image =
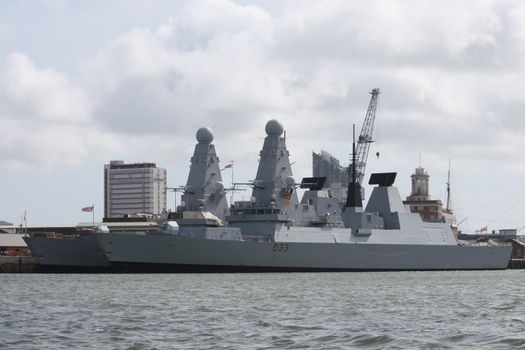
(88, 209)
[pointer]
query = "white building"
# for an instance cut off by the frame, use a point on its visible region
(133, 188)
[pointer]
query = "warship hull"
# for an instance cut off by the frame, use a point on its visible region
(136, 253)
(75, 254)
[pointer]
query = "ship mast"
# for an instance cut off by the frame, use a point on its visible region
(448, 187)
(354, 198)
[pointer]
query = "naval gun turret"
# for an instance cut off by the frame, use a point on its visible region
(204, 189)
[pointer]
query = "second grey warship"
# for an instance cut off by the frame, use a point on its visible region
(80, 252)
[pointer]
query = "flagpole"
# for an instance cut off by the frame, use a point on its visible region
(233, 189)
(93, 212)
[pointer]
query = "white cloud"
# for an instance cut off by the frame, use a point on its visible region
(46, 118)
(42, 93)
(444, 67)
(390, 29)
(208, 62)
(208, 23)
(31, 144)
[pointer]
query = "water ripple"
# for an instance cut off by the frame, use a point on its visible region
(415, 310)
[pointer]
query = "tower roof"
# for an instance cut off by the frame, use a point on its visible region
(420, 171)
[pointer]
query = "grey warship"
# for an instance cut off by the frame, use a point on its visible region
(275, 232)
(78, 251)
(81, 252)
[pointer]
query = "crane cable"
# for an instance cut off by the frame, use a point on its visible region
(378, 106)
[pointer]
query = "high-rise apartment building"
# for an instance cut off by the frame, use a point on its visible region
(326, 165)
(133, 188)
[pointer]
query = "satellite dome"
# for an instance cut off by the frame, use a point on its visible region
(290, 181)
(170, 227)
(274, 128)
(102, 229)
(204, 135)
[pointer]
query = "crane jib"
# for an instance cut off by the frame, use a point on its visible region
(365, 138)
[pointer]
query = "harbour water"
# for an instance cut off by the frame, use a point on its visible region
(400, 310)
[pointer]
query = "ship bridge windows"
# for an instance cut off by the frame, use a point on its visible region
(263, 211)
(257, 211)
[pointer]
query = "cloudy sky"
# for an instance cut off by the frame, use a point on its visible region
(85, 82)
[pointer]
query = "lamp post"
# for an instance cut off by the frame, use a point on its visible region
(230, 166)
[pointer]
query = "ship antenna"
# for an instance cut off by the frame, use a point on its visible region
(448, 187)
(353, 155)
(353, 198)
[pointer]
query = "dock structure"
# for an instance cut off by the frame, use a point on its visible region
(516, 264)
(17, 264)
(517, 259)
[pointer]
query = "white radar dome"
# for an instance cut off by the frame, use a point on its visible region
(170, 227)
(274, 128)
(290, 181)
(102, 229)
(204, 135)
